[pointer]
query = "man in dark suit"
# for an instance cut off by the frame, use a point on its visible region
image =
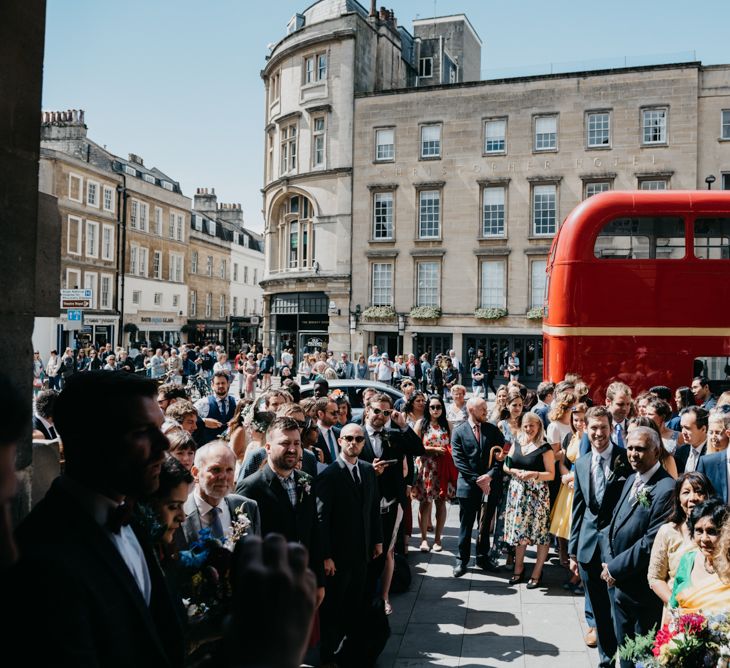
(599, 479)
(388, 441)
(618, 403)
(285, 496)
(211, 503)
(88, 581)
(694, 424)
(717, 469)
(471, 444)
(327, 414)
(43, 418)
(349, 515)
(645, 504)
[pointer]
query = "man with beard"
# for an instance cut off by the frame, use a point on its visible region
(87, 583)
(215, 411)
(349, 510)
(285, 496)
(211, 504)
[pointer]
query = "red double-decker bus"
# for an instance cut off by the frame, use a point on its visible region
(639, 290)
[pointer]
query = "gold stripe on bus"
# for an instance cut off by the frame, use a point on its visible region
(636, 331)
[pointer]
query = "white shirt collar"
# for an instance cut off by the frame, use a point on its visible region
(349, 466)
(646, 477)
(606, 454)
(203, 506)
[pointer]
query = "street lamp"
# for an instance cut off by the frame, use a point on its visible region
(355, 317)
(401, 329)
(709, 181)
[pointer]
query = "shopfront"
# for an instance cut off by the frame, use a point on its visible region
(243, 330)
(299, 321)
(157, 329)
(500, 347)
(201, 332)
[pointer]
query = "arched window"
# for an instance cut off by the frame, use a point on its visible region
(296, 235)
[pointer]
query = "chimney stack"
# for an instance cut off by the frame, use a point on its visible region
(63, 125)
(205, 202)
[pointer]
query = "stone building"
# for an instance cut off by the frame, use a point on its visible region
(226, 263)
(87, 202)
(459, 185)
(156, 252)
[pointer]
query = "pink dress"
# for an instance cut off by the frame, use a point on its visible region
(251, 371)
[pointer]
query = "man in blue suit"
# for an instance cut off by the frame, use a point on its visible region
(618, 403)
(717, 469)
(645, 504)
(471, 443)
(599, 479)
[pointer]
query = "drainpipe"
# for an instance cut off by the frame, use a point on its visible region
(121, 252)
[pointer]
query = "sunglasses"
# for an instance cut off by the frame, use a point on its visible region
(378, 411)
(435, 407)
(350, 439)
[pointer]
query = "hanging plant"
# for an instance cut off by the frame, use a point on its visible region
(379, 313)
(425, 312)
(188, 328)
(537, 313)
(130, 328)
(490, 313)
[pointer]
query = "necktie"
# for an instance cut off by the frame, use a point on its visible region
(120, 516)
(221, 405)
(333, 447)
(216, 528)
(477, 433)
(692, 461)
(52, 433)
(619, 435)
(356, 476)
(599, 478)
(636, 487)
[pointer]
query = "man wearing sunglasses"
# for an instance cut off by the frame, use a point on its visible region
(349, 514)
(388, 440)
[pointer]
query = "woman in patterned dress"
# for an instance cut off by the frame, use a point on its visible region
(531, 465)
(436, 477)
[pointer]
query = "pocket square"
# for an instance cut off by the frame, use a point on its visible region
(623, 478)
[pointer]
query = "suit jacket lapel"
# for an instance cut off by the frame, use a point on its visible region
(277, 488)
(192, 524)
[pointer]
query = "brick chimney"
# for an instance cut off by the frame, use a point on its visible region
(205, 201)
(63, 125)
(230, 213)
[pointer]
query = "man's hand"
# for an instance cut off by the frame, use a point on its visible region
(379, 465)
(484, 482)
(398, 418)
(606, 576)
(574, 567)
(211, 423)
(378, 550)
(271, 578)
(329, 567)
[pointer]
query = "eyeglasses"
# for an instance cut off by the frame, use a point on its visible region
(435, 407)
(350, 439)
(378, 411)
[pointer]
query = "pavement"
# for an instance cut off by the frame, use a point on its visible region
(478, 619)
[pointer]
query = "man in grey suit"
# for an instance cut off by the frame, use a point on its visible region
(211, 504)
(600, 476)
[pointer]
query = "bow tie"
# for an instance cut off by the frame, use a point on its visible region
(120, 516)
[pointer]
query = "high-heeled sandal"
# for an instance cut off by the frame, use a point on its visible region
(533, 583)
(516, 578)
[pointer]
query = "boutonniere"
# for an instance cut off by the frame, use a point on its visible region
(239, 527)
(644, 497)
(304, 485)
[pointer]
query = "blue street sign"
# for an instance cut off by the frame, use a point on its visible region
(74, 315)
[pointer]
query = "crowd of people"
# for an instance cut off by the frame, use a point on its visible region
(632, 496)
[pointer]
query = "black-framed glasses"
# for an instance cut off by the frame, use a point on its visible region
(350, 438)
(435, 407)
(378, 411)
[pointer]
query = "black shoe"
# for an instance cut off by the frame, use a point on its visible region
(533, 583)
(487, 564)
(459, 570)
(516, 578)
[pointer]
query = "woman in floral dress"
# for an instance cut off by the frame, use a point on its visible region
(436, 477)
(531, 465)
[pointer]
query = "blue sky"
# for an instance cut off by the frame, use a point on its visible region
(177, 81)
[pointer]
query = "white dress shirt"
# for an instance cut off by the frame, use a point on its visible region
(694, 458)
(206, 516)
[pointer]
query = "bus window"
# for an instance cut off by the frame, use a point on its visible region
(656, 238)
(712, 238)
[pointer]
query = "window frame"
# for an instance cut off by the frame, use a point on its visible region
(485, 261)
(94, 254)
(587, 121)
(391, 295)
(104, 190)
(222, 306)
(193, 303)
(157, 264)
(95, 184)
(157, 299)
(110, 229)
(390, 158)
(436, 262)
(136, 297)
(373, 235)
(69, 284)
(591, 182)
(484, 187)
(286, 142)
(319, 135)
(485, 123)
(420, 191)
(533, 263)
(643, 180)
(725, 125)
(421, 67)
(106, 304)
(79, 234)
(80, 179)
(546, 149)
(91, 282)
(643, 127)
(208, 304)
(421, 128)
(533, 227)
